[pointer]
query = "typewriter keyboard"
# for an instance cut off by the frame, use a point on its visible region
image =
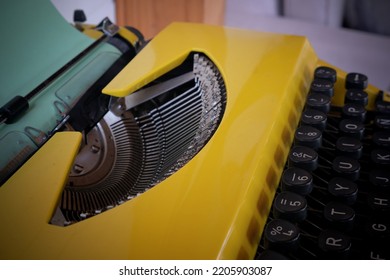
(333, 201)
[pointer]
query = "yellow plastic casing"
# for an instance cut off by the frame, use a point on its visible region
(216, 206)
(28, 200)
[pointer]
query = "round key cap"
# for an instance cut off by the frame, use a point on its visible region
(343, 190)
(382, 122)
(356, 81)
(303, 157)
(290, 206)
(322, 86)
(351, 128)
(348, 146)
(281, 235)
(381, 139)
(339, 215)
(379, 202)
(308, 136)
(376, 252)
(297, 180)
(334, 244)
(271, 255)
(380, 178)
(378, 228)
(346, 167)
(314, 118)
(354, 111)
(325, 73)
(356, 96)
(381, 157)
(318, 101)
(382, 107)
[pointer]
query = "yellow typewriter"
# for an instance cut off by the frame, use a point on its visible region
(203, 143)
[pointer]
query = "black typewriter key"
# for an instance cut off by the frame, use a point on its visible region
(290, 206)
(381, 139)
(377, 231)
(379, 202)
(381, 157)
(351, 128)
(354, 111)
(271, 255)
(318, 101)
(322, 86)
(356, 81)
(380, 178)
(334, 244)
(297, 180)
(348, 146)
(382, 107)
(378, 252)
(308, 136)
(343, 190)
(314, 118)
(303, 157)
(378, 228)
(346, 167)
(281, 235)
(325, 73)
(382, 122)
(339, 215)
(356, 96)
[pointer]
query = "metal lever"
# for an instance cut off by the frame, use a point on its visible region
(13, 109)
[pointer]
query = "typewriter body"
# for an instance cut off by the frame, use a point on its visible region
(174, 148)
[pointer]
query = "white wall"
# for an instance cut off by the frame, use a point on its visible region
(95, 10)
(251, 7)
(325, 12)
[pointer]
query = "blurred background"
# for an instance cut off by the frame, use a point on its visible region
(351, 34)
(366, 15)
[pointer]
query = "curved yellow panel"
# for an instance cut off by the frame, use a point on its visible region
(29, 198)
(172, 46)
(215, 207)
